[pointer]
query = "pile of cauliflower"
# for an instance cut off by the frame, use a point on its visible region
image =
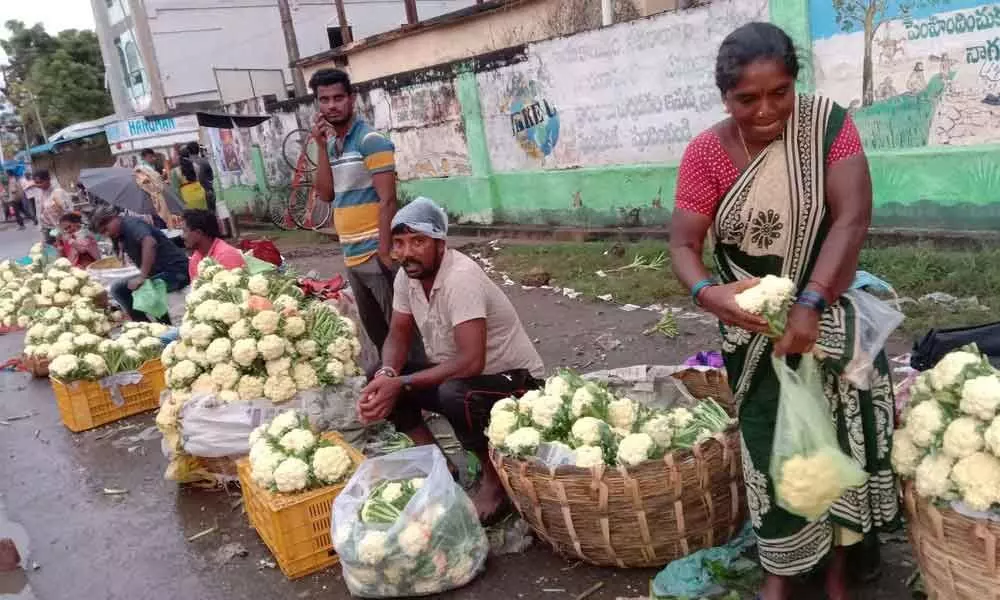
(286, 456)
(408, 540)
(90, 356)
(596, 426)
(249, 337)
(771, 299)
(950, 442)
(60, 331)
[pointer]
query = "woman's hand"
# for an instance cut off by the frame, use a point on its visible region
(801, 331)
(720, 300)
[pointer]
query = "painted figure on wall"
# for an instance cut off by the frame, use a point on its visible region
(534, 120)
(230, 155)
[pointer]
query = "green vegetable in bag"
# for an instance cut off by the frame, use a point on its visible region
(151, 298)
(809, 470)
(256, 266)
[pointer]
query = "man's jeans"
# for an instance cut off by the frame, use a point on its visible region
(123, 295)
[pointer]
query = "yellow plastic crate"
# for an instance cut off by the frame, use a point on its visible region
(295, 527)
(84, 405)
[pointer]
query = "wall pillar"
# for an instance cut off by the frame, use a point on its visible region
(482, 192)
(793, 17)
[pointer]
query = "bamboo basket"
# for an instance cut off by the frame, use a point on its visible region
(645, 516)
(708, 384)
(38, 367)
(957, 554)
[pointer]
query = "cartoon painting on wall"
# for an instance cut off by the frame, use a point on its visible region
(913, 72)
(534, 121)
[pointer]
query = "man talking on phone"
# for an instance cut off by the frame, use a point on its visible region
(357, 174)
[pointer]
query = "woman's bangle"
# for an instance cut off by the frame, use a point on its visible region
(699, 287)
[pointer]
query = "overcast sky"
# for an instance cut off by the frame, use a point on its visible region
(55, 15)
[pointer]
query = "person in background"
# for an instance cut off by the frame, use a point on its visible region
(153, 161)
(478, 350)
(201, 235)
(206, 175)
(13, 199)
(782, 187)
(52, 203)
(361, 184)
(191, 190)
(76, 242)
(31, 196)
(150, 251)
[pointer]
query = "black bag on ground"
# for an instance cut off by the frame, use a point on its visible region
(938, 342)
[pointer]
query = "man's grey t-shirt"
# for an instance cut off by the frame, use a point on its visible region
(169, 258)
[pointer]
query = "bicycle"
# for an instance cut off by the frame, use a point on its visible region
(305, 207)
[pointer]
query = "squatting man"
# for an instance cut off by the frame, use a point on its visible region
(477, 348)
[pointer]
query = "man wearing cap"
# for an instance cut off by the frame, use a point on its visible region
(155, 256)
(477, 349)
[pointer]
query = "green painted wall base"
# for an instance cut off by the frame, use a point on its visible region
(948, 188)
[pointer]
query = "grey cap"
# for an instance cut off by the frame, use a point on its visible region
(424, 216)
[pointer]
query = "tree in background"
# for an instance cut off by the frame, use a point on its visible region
(63, 75)
(868, 16)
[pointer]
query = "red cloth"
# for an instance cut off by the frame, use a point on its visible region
(263, 249)
(706, 172)
(222, 253)
(80, 250)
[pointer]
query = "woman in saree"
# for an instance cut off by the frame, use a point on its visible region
(782, 187)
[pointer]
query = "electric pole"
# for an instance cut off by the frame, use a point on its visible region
(292, 46)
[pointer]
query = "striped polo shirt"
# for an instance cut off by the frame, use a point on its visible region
(365, 152)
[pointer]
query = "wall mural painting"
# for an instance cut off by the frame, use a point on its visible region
(534, 121)
(913, 72)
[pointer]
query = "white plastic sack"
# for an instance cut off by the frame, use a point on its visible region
(214, 429)
(875, 321)
(436, 545)
(108, 276)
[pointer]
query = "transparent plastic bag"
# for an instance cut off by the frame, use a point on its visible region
(151, 298)
(875, 321)
(215, 429)
(435, 545)
(809, 470)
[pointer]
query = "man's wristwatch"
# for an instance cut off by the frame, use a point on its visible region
(387, 371)
(812, 299)
(407, 383)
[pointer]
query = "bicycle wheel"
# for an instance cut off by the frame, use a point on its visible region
(277, 210)
(309, 212)
(299, 150)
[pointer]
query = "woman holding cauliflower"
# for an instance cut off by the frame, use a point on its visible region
(783, 186)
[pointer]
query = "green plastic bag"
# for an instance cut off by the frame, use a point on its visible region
(256, 266)
(809, 470)
(151, 298)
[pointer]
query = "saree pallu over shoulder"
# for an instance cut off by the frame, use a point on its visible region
(773, 221)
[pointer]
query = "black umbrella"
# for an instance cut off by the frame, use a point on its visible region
(117, 186)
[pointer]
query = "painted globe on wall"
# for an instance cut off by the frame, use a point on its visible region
(540, 121)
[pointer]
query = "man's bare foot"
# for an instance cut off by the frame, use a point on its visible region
(775, 588)
(488, 498)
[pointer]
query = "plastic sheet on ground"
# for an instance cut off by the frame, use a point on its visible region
(651, 385)
(691, 577)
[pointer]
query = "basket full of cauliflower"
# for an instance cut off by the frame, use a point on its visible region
(948, 455)
(616, 482)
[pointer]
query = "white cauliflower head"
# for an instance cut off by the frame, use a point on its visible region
(225, 375)
(229, 313)
(501, 424)
(905, 454)
(558, 386)
(771, 294)
(297, 441)
(809, 485)
(962, 438)
(258, 284)
(991, 437)
(544, 410)
(414, 539)
(583, 402)
(218, 351)
(949, 369)
(523, 441)
(977, 477)
(292, 475)
(933, 478)
(373, 547)
(240, 330)
(279, 388)
(588, 431)
(331, 464)
(305, 376)
(266, 322)
(294, 328)
(589, 456)
(283, 423)
(245, 352)
(250, 387)
(981, 397)
(660, 429)
(341, 349)
(924, 422)
(635, 449)
(622, 413)
(307, 348)
(271, 347)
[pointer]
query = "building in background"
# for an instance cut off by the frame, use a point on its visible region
(184, 55)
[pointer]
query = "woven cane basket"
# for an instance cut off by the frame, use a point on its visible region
(958, 555)
(645, 516)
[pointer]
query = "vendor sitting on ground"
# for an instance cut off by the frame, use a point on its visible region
(478, 349)
(155, 256)
(75, 242)
(201, 234)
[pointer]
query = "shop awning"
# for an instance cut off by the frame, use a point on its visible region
(220, 120)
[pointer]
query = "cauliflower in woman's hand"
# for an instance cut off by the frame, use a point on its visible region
(266, 321)
(523, 442)
(933, 478)
(962, 438)
(635, 449)
(291, 475)
(905, 454)
(950, 368)
(502, 423)
(981, 397)
(622, 413)
(589, 456)
(924, 422)
(271, 347)
(771, 294)
(809, 485)
(297, 441)
(588, 431)
(245, 352)
(331, 464)
(977, 477)
(659, 428)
